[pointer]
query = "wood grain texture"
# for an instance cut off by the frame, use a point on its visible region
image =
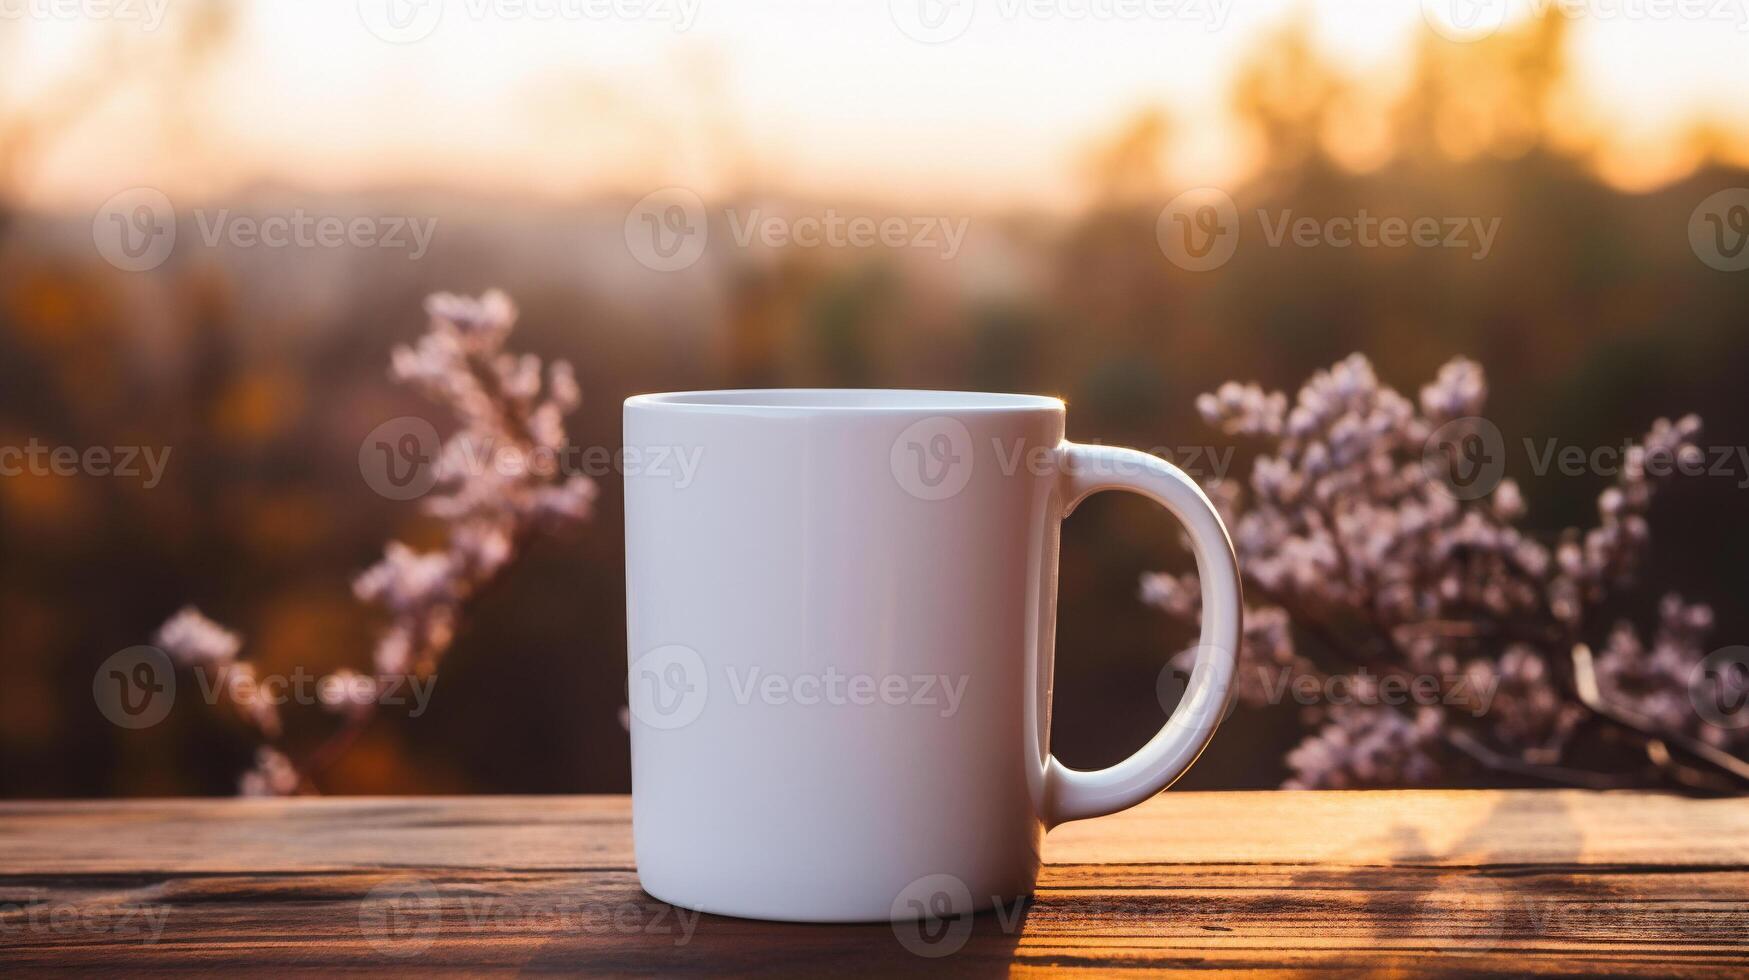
(1495, 882)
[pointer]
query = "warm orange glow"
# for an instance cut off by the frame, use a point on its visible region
(830, 100)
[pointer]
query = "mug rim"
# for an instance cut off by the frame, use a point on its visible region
(848, 400)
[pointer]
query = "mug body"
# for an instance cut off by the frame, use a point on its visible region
(840, 616)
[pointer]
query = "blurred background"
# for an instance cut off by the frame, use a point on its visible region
(527, 140)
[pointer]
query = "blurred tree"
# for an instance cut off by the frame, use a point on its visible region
(122, 57)
(1130, 167)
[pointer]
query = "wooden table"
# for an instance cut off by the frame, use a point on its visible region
(1509, 882)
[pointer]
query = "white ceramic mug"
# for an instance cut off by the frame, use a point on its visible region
(841, 616)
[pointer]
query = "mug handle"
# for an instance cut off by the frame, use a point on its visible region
(1073, 794)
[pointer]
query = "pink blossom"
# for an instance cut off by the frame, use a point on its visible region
(272, 775)
(191, 639)
(1358, 560)
(493, 492)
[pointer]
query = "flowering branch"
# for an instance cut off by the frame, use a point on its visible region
(1367, 563)
(491, 512)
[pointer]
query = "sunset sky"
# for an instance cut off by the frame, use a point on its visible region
(808, 97)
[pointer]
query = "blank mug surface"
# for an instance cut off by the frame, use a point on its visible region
(840, 616)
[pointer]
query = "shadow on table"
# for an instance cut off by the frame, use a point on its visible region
(675, 941)
(1505, 880)
(1509, 879)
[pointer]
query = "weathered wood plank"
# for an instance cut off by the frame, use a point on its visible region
(1428, 827)
(1511, 882)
